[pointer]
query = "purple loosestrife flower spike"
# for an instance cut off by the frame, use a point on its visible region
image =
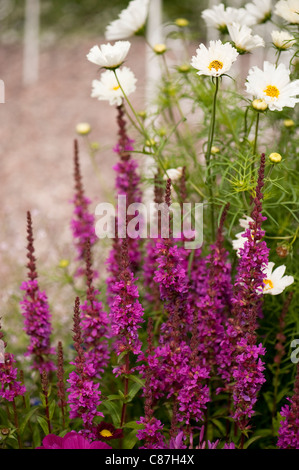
(247, 301)
(126, 310)
(94, 322)
(83, 222)
(152, 432)
(60, 382)
(10, 387)
(289, 428)
(83, 394)
(127, 183)
(35, 310)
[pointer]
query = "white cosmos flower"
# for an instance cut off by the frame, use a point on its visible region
(174, 174)
(108, 89)
(288, 10)
(220, 17)
(275, 281)
(242, 37)
(108, 56)
(273, 85)
(260, 10)
(216, 60)
(240, 240)
(130, 21)
(282, 39)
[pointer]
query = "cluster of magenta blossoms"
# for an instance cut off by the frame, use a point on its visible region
(83, 222)
(84, 396)
(289, 427)
(36, 312)
(126, 310)
(127, 184)
(10, 387)
(247, 301)
(94, 323)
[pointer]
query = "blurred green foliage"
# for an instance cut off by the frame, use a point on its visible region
(89, 17)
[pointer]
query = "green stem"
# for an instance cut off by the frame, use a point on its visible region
(140, 124)
(255, 141)
(208, 155)
(126, 389)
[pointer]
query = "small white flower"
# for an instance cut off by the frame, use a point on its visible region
(130, 21)
(260, 10)
(282, 39)
(243, 39)
(220, 17)
(275, 281)
(240, 240)
(288, 10)
(174, 174)
(108, 56)
(216, 60)
(273, 85)
(108, 89)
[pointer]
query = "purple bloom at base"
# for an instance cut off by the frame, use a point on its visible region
(152, 433)
(84, 395)
(289, 427)
(178, 441)
(10, 387)
(35, 309)
(72, 440)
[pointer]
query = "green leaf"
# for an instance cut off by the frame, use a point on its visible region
(43, 424)
(113, 409)
(52, 408)
(137, 379)
(26, 418)
(251, 440)
(134, 389)
(130, 440)
(133, 425)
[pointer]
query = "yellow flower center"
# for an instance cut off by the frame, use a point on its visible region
(216, 64)
(268, 284)
(272, 91)
(116, 87)
(105, 433)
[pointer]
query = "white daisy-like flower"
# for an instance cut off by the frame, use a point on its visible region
(220, 17)
(108, 89)
(288, 10)
(216, 60)
(240, 240)
(130, 21)
(174, 174)
(109, 56)
(273, 85)
(275, 281)
(282, 40)
(244, 41)
(260, 10)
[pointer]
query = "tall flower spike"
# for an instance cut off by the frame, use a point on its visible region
(152, 432)
(127, 184)
(10, 387)
(35, 309)
(94, 322)
(289, 427)
(60, 382)
(82, 223)
(84, 395)
(247, 301)
(126, 310)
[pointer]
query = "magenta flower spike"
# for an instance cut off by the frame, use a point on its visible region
(84, 395)
(289, 427)
(83, 222)
(94, 323)
(35, 309)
